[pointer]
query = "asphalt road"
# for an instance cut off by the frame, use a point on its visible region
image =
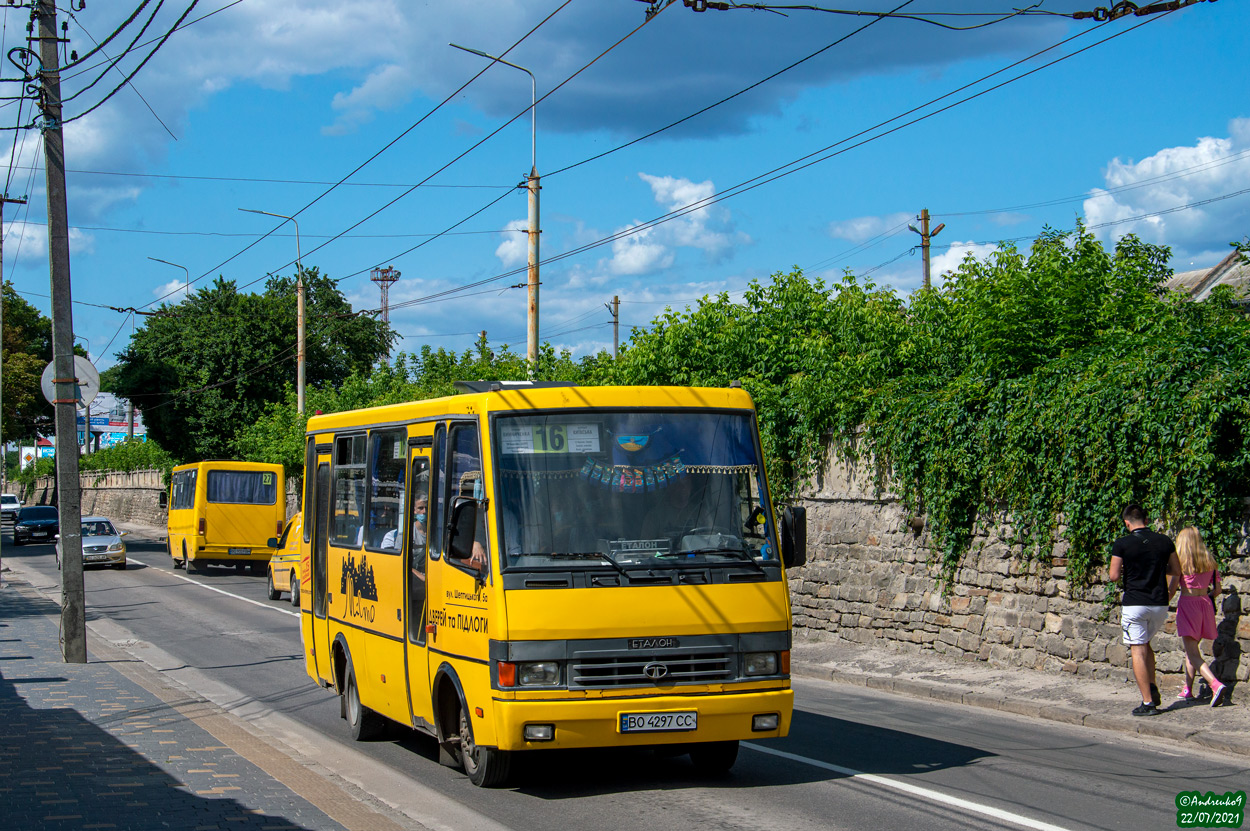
(855, 758)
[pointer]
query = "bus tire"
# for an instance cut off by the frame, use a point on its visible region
(714, 758)
(362, 723)
(270, 591)
(294, 590)
(486, 767)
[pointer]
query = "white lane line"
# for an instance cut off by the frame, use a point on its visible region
(924, 793)
(222, 591)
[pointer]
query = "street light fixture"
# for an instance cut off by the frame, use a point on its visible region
(299, 318)
(532, 186)
(175, 265)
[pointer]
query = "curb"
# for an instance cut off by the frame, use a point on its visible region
(1206, 739)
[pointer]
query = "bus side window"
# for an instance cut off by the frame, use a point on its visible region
(438, 493)
(349, 491)
(466, 481)
(388, 451)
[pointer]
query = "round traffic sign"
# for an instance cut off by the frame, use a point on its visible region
(86, 374)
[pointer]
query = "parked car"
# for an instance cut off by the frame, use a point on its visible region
(284, 566)
(37, 523)
(9, 506)
(102, 544)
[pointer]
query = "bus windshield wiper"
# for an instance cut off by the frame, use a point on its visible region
(738, 554)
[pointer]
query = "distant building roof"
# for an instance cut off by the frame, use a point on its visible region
(1233, 271)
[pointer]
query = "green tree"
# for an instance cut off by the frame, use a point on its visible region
(206, 368)
(27, 349)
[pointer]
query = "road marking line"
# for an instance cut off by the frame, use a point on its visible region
(222, 591)
(915, 790)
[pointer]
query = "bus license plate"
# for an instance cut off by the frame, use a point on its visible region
(659, 722)
(242, 552)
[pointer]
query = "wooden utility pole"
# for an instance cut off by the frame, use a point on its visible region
(73, 605)
(925, 236)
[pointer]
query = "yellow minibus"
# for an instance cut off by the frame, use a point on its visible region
(224, 513)
(537, 565)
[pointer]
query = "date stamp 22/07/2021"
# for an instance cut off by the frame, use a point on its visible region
(1209, 810)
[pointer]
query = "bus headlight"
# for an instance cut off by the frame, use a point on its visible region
(759, 663)
(538, 674)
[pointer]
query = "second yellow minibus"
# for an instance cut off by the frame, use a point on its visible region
(533, 566)
(224, 513)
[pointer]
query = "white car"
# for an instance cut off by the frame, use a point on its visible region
(102, 544)
(9, 506)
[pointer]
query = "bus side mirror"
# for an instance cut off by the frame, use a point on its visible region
(164, 499)
(794, 536)
(461, 529)
(272, 542)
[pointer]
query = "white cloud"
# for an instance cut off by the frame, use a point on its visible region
(640, 253)
(864, 228)
(384, 89)
(707, 228)
(514, 249)
(950, 259)
(28, 241)
(1173, 177)
(172, 293)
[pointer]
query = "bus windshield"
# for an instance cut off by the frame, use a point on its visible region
(631, 489)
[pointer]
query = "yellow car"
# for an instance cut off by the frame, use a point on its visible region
(284, 567)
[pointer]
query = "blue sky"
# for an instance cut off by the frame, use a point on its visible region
(270, 103)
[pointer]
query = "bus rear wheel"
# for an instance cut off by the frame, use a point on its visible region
(714, 758)
(486, 767)
(294, 590)
(362, 723)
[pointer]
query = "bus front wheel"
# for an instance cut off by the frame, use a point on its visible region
(715, 758)
(486, 767)
(363, 723)
(270, 591)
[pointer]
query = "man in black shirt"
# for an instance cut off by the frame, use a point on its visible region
(1143, 559)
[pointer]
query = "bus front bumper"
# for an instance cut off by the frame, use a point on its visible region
(602, 722)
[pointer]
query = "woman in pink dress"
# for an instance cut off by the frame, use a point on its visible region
(1195, 610)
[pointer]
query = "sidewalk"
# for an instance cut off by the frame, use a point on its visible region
(111, 745)
(1065, 698)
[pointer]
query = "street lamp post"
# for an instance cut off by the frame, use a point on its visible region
(532, 186)
(175, 265)
(299, 319)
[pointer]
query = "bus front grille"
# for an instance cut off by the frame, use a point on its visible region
(651, 670)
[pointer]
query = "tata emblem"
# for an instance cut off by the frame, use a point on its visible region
(655, 671)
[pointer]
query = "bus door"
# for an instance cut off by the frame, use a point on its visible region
(320, 591)
(459, 551)
(416, 657)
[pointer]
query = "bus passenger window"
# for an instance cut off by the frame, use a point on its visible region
(388, 451)
(347, 529)
(465, 479)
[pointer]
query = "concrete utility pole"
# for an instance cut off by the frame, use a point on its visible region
(73, 605)
(925, 236)
(615, 308)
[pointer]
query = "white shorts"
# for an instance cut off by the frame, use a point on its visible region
(1141, 623)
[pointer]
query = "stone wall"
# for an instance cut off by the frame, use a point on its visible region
(128, 497)
(125, 497)
(872, 577)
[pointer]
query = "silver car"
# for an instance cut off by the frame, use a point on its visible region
(102, 544)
